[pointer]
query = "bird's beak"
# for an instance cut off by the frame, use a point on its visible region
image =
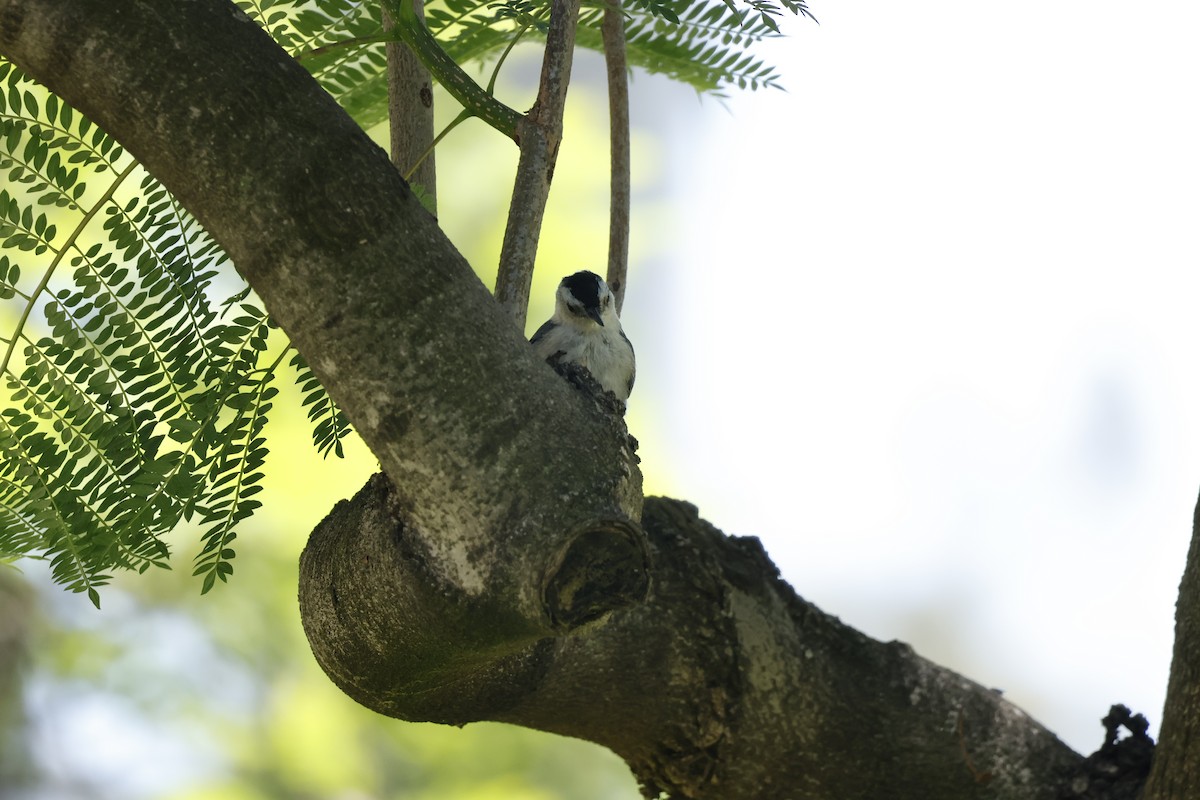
(594, 313)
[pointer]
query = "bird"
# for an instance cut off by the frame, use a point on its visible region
(586, 331)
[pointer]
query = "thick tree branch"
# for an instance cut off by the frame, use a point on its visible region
(1176, 771)
(613, 32)
(539, 134)
(724, 684)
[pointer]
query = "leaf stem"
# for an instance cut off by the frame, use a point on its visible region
(457, 82)
(462, 117)
(467, 113)
(358, 41)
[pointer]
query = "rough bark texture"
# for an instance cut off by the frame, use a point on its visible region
(1118, 770)
(500, 570)
(1176, 771)
(723, 684)
(410, 112)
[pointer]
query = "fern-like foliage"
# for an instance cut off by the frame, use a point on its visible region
(131, 403)
(704, 43)
(707, 44)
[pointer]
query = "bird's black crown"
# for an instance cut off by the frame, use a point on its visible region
(585, 286)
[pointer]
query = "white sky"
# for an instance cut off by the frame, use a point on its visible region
(929, 329)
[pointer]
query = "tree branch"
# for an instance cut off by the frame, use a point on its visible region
(723, 685)
(410, 112)
(612, 29)
(539, 134)
(389, 316)
(449, 74)
(1175, 774)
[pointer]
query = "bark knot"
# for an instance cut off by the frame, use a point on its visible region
(603, 566)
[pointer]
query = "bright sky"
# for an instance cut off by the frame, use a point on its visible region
(929, 329)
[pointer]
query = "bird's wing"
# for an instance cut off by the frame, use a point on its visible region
(541, 332)
(632, 372)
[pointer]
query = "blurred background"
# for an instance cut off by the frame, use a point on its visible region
(924, 323)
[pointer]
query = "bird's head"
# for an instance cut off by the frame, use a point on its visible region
(584, 298)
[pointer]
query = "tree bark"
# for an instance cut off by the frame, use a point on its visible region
(723, 684)
(1175, 774)
(410, 112)
(539, 133)
(506, 568)
(616, 68)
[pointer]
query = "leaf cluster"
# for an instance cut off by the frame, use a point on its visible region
(133, 400)
(707, 44)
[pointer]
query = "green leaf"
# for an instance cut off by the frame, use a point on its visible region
(126, 356)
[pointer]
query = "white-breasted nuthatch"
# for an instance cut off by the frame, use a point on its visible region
(585, 330)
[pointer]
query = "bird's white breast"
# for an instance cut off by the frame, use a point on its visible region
(603, 352)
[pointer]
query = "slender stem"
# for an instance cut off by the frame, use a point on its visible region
(539, 134)
(491, 87)
(612, 29)
(449, 74)
(358, 41)
(462, 117)
(466, 113)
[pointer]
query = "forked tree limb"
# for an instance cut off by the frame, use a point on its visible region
(722, 685)
(390, 317)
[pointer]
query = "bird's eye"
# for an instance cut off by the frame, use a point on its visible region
(576, 310)
(608, 301)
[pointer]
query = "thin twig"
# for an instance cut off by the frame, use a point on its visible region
(466, 113)
(462, 117)
(612, 29)
(344, 44)
(411, 28)
(539, 134)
